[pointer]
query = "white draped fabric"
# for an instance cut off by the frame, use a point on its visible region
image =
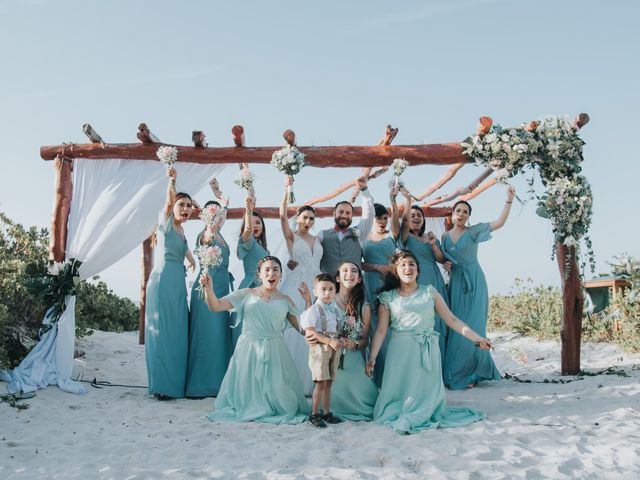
(114, 208)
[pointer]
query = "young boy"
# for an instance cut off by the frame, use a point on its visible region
(322, 319)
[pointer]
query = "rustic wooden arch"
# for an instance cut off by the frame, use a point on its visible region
(367, 157)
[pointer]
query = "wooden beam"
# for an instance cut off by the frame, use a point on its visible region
(94, 137)
(61, 207)
(321, 212)
(237, 132)
(334, 156)
(199, 139)
(146, 267)
(572, 304)
(145, 135)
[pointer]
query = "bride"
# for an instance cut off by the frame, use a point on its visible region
(305, 252)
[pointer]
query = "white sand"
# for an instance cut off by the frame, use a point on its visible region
(588, 428)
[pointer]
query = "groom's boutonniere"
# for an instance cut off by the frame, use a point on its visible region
(356, 233)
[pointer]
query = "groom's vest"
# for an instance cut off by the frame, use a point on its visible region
(334, 251)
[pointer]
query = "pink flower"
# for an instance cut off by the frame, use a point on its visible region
(351, 321)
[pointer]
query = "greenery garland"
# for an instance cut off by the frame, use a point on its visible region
(553, 147)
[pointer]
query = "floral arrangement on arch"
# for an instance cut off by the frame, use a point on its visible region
(551, 145)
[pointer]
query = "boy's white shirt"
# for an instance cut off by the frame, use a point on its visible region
(311, 317)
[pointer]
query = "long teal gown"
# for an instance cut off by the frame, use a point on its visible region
(261, 383)
(353, 394)
(166, 315)
(377, 253)
(209, 333)
(250, 252)
(412, 397)
(430, 275)
(464, 363)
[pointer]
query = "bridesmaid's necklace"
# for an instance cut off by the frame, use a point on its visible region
(266, 296)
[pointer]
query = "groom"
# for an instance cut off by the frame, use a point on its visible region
(343, 243)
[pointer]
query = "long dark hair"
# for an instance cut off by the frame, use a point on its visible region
(391, 280)
(262, 239)
(356, 299)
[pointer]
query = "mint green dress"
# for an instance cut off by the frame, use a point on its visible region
(464, 363)
(353, 393)
(250, 252)
(166, 315)
(261, 383)
(377, 253)
(430, 275)
(209, 332)
(412, 397)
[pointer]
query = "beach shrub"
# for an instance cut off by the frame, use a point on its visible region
(21, 307)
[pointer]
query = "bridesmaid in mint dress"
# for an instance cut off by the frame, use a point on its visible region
(209, 332)
(261, 383)
(166, 310)
(464, 365)
(353, 393)
(376, 251)
(252, 247)
(426, 248)
(412, 397)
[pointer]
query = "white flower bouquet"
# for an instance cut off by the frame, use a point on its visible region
(245, 179)
(167, 155)
(209, 256)
(399, 165)
(289, 160)
(212, 216)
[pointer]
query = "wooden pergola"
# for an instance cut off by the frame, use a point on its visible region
(377, 157)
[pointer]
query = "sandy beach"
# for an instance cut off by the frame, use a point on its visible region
(588, 428)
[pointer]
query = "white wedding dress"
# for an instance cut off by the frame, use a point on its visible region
(308, 267)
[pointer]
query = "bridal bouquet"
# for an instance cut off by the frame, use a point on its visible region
(209, 256)
(399, 165)
(349, 329)
(212, 216)
(245, 179)
(167, 155)
(289, 160)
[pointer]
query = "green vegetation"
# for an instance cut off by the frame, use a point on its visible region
(23, 251)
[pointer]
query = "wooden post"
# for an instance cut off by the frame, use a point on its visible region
(147, 266)
(572, 303)
(61, 207)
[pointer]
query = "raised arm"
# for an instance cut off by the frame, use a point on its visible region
(378, 337)
(248, 219)
(171, 191)
(406, 215)
(368, 212)
(395, 215)
(284, 221)
(458, 325)
(437, 253)
(214, 303)
(496, 224)
(224, 202)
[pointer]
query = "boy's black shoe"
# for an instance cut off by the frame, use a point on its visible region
(316, 421)
(331, 418)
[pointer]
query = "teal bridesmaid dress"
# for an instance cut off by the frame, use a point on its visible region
(166, 315)
(412, 397)
(250, 252)
(353, 393)
(209, 333)
(464, 363)
(376, 253)
(430, 275)
(261, 383)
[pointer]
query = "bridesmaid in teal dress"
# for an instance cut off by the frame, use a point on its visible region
(252, 247)
(426, 247)
(465, 365)
(412, 397)
(209, 332)
(166, 310)
(353, 393)
(261, 383)
(376, 251)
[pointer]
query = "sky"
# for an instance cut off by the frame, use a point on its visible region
(337, 73)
